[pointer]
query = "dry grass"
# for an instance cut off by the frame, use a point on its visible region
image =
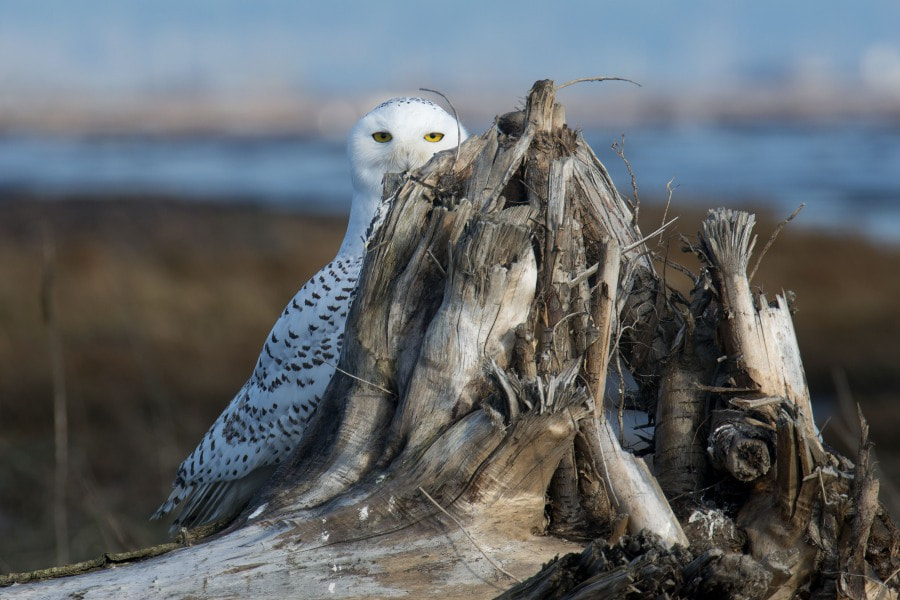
(162, 310)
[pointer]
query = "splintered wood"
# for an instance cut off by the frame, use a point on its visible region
(508, 306)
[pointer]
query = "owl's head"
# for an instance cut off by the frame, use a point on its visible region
(398, 135)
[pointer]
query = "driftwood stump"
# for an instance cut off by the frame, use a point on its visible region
(468, 437)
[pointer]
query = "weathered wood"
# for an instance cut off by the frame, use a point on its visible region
(603, 318)
(740, 446)
(784, 357)
(567, 517)
(641, 567)
(854, 581)
(777, 532)
(468, 408)
(490, 284)
(728, 240)
(561, 249)
(717, 574)
(357, 409)
(633, 490)
(493, 170)
(385, 531)
(757, 340)
(758, 336)
(680, 459)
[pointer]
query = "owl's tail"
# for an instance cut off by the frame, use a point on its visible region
(213, 501)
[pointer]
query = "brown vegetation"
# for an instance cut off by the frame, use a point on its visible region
(162, 307)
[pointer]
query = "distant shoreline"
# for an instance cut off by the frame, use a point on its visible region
(847, 173)
(214, 112)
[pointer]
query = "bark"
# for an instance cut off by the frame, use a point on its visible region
(855, 582)
(680, 458)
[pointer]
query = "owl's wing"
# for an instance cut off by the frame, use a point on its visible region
(265, 420)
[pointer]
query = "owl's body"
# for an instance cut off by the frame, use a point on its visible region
(266, 419)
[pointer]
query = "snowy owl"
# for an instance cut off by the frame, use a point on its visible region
(267, 417)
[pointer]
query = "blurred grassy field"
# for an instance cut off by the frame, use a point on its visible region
(163, 307)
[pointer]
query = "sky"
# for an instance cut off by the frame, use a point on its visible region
(309, 69)
(140, 47)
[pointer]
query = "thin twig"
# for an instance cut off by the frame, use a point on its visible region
(584, 79)
(669, 189)
(677, 266)
(431, 255)
(352, 376)
(455, 116)
(636, 205)
(771, 241)
(620, 412)
(723, 390)
(471, 539)
(891, 576)
(378, 245)
(659, 230)
(418, 181)
(564, 319)
(817, 474)
(584, 275)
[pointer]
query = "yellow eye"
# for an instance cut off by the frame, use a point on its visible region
(382, 137)
(434, 136)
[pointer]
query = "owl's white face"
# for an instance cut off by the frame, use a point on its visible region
(399, 135)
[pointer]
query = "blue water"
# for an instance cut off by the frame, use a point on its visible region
(298, 173)
(848, 174)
